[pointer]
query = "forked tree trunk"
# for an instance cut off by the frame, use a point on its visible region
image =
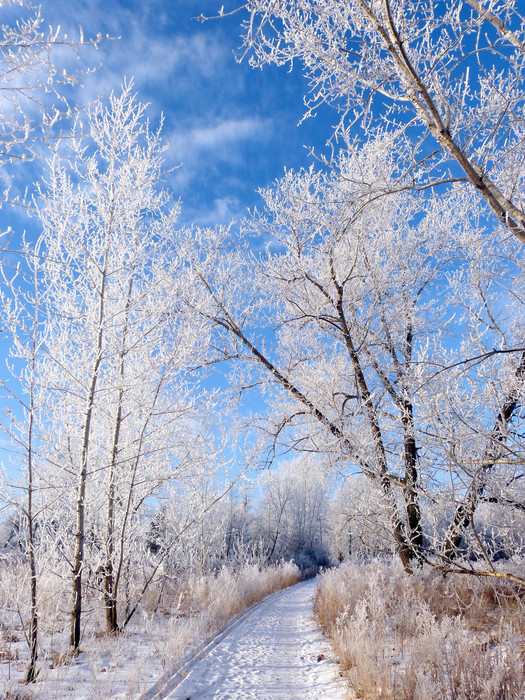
(406, 544)
(78, 558)
(405, 550)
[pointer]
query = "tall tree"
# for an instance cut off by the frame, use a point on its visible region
(444, 83)
(358, 304)
(114, 346)
(34, 99)
(22, 326)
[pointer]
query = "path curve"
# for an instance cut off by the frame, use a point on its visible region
(275, 652)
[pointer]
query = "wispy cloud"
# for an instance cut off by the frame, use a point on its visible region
(209, 158)
(153, 62)
(218, 137)
(143, 46)
(222, 210)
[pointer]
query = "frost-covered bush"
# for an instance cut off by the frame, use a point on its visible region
(424, 637)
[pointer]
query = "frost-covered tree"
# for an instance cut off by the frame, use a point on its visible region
(358, 521)
(20, 310)
(365, 333)
(444, 82)
(443, 85)
(34, 80)
(292, 512)
(33, 99)
(120, 421)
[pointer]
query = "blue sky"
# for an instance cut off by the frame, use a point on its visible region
(231, 128)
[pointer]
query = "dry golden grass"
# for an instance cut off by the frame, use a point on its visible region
(423, 637)
(227, 592)
(202, 605)
(482, 603)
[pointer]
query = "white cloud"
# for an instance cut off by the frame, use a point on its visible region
(228, 131)
(218, 137)
(201, 151)
(223, 211)
(152, 60)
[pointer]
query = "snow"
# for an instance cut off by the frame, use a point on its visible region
(273, 651)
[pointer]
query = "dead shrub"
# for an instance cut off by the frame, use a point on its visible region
(8, 654)
(62, 657)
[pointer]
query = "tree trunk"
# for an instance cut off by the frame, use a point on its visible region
(78, 558)
(413, 510)
(33, 626)
(110, 585)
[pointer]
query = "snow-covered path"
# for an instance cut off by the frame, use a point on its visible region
(274, 652)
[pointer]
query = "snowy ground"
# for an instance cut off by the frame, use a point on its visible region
(275, 651)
